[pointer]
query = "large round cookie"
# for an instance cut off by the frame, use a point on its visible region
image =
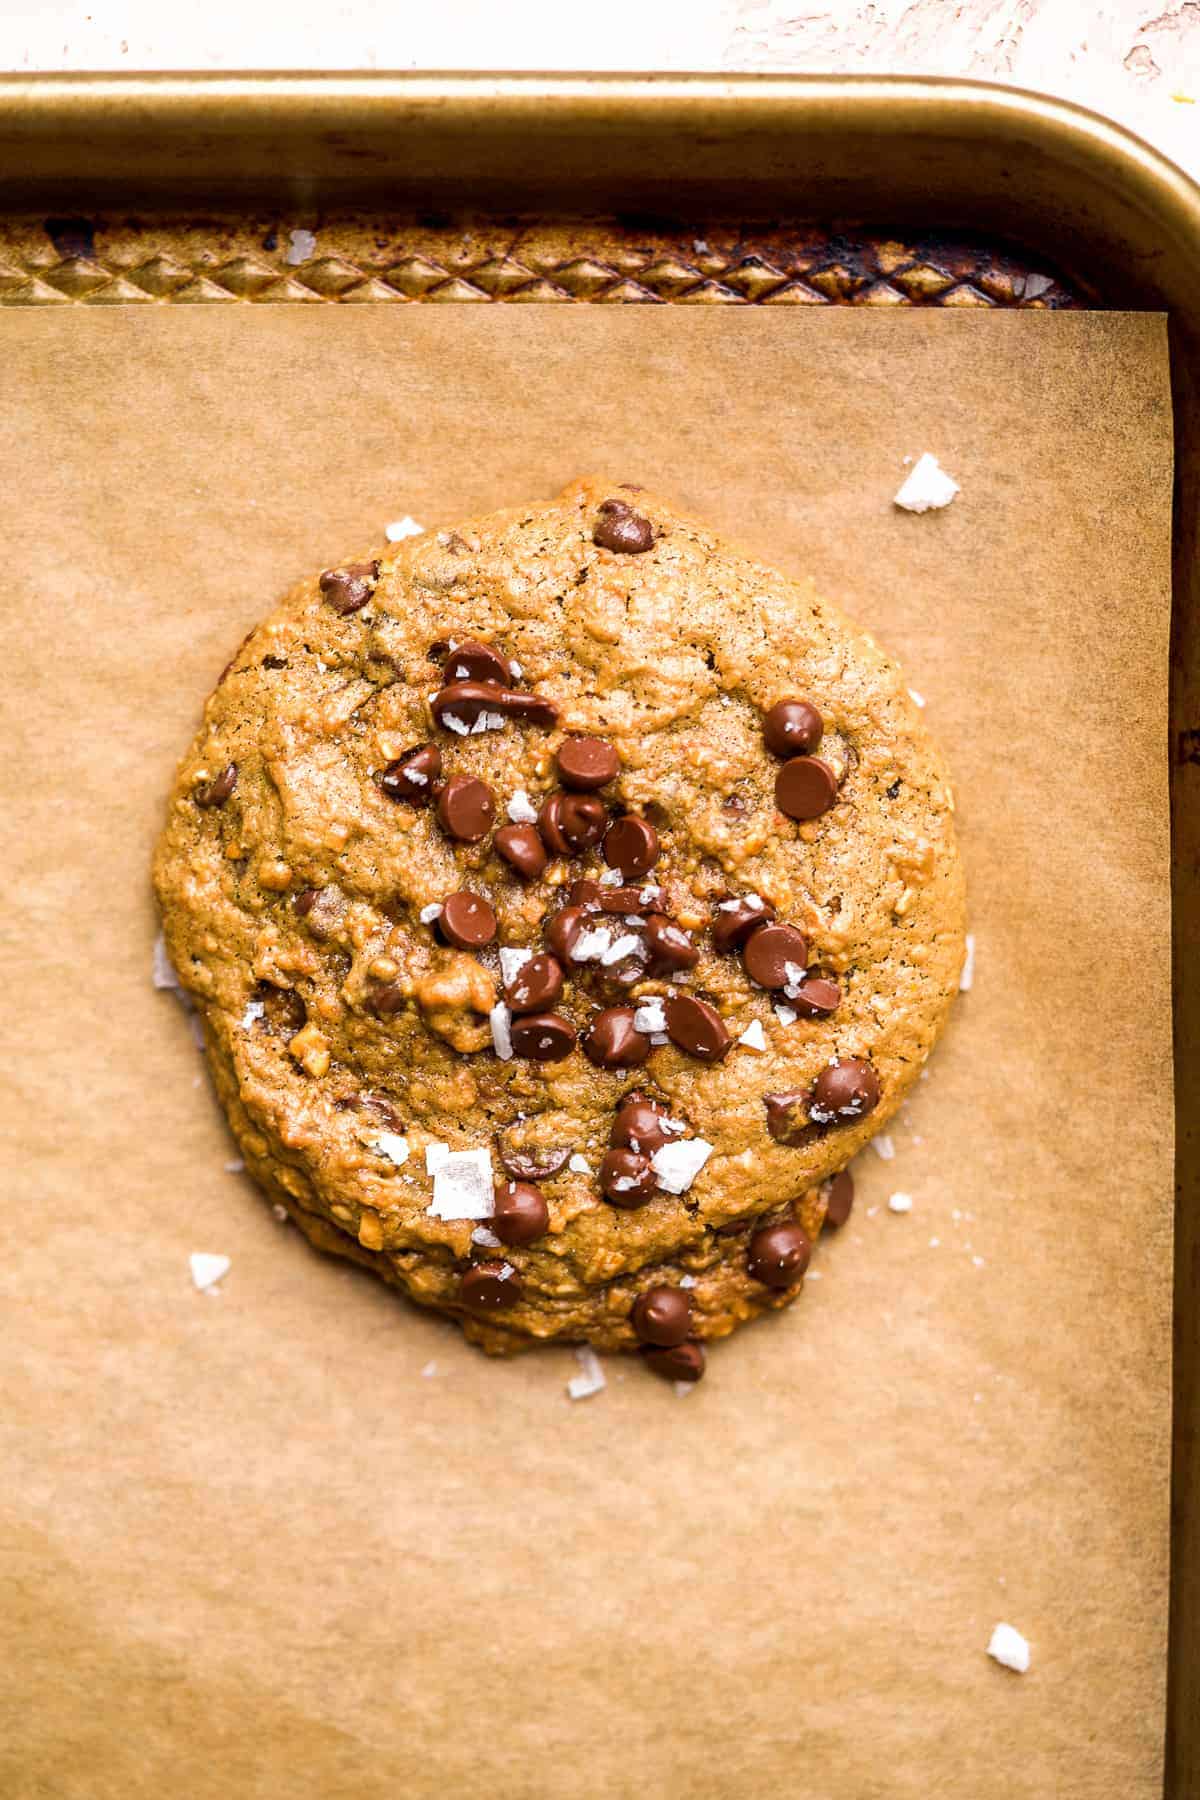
(796, 930)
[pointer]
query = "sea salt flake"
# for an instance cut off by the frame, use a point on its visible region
(813, 1275)
(659, 1038)
(610, 878)
(787, 1015)
(500, 1020)
(899, 1203)
(452, 722)
(917, 699)
(650, 1017)
(429, 913)
(512, 960)
(462, 1185)
(579, 1165)
(521, 809)
(489, 1240)
(254, 1011)
(677, 1165)
(687, 1281)
(429, 1369)
(234, 1166)
(754, 1037)
(967, 978)
(488, 721)
(934, 1243)
(883, 1146)
(625, 945)
(207, 1269)
(979, 1262)
(394, 1147)
(683, 1389)
(404, 528)
(591, 944)
(280, 1211)
(516, 668)
(416, 777)
(590, 1380)
(301, 245)
(1007, 1646)
(162, 972)
(927, 487)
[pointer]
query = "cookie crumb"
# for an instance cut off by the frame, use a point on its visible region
(927, 487)
(207, 1270)
(899, 1203)
(591, 1379)
(967, 979)
(403, 528)
(1008, 1647)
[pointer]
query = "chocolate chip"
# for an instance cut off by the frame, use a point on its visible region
(631, 845)
(612, 1041)
(347, 590)
(471, 660)
(569, 822)
(562, 930)
(774, 955)
(587, 763)
(621, 899)
(585, 893)
(536, 985)
(466, 920)
(411, 776)
(840, 1200)
(639, 1125)
(542, 1037)
(283, 1009)
(466, 808)
(627, 1178)
(844, 1090)
(787, 1117)
(816, 997)
(522, 849)
(490, 1287)
(792, 728)
(619, 528)
(532, 1165)
(697, 1028)
(679, 1362)
(805, 788)
(274, 662)
(669, 945)
(521, 1213)
(387, 1000)
(322, 908)
(662, 1316)
(735, 919)
(465, 701)
(778, 1255)
(217, 791)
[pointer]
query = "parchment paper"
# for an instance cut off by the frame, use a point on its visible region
(299, 1540)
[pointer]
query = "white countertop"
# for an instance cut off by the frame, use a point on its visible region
(1136, 60)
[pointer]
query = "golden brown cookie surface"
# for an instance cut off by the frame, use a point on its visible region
(485, 833)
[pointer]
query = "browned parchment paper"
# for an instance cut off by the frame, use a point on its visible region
(298, 1540)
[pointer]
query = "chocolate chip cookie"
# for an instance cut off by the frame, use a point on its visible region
(566, 896)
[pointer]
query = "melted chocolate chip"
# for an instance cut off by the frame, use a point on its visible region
(735, 919)
(471, 660)
(321, 908)
(466, 808)
(542, 1037)
(612, 1041)
(387, 1000)
(669, 945)
(562, 930)
(639, 1125)
(522, 849)
(521, 1213)
(680, 1362)
(585, 893)
(792, 728)
(787, 1117)
(348, 589)
(805, 788)
(217, 791)
(631, 845)
(536, 985)
(490, 1287)
(840, 1200)
(587, 763)
(621, 529)
(816, 997)
(411, 776)
(774, 955)
(465, 701)
(466, 920)
(778, 1255)
(697, 1028)
(534, 1164)
(844, 1091)
(620, 899)
(283, 1009)
(569, 822)
(627, 1178)
(662, 1316)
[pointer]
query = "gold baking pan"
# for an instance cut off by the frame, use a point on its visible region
(180, 189)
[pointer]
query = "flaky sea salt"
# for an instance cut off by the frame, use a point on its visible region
(488, 721)
(677, 1165)
(611, 878)
(254, 1011)
(429, 913)
(967, 979)
(1008, 1647)
(650, 1017)
(591, 944)
(899, 1203)
(579, 1165)
(280, 1211)
(883, 1146)
(754, 1037)
(489, 1240)
(403, 528)
(452, 722)
(521, 809)
(687, 1281)
(301, 245)
(500, 1020)
(917, 699)
(394, 1147)
(683, 1389)
(429, 1369)
(234, 1166)
(207, 1269)
(627, 944)
(162, 969)
(512, 961)
(787, 1015)
(435, 1155)
(590, 1380)
(927, 487)
(462, 1185)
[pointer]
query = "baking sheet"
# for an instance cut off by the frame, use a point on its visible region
(248, 1543)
